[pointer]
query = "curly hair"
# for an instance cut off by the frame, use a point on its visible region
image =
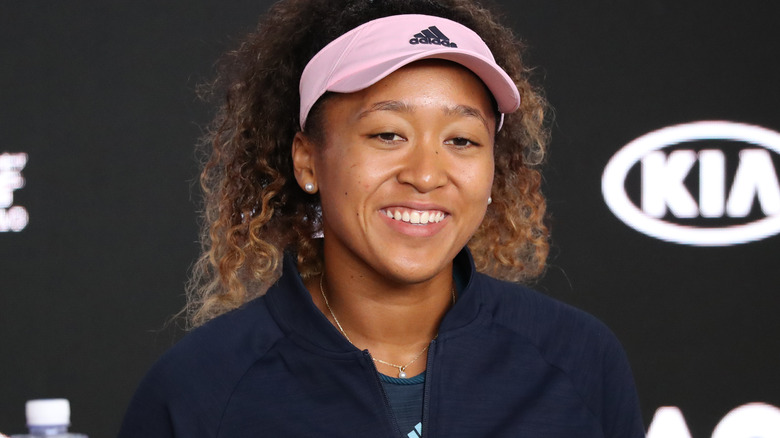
(253, 207)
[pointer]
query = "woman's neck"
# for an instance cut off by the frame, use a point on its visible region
(394, 321)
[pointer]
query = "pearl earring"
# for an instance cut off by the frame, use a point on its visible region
(309, 187)
(490, 200)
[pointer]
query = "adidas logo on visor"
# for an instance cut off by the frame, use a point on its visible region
(432, 35)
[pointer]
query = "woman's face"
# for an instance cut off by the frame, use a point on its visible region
(406, 170)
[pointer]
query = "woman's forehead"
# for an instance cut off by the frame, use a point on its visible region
(428, 84)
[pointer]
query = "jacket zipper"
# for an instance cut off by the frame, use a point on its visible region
(426, 432)
(388, 408)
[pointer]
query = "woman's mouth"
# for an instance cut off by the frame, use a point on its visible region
(421, 217)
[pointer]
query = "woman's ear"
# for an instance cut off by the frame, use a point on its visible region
(303, 149)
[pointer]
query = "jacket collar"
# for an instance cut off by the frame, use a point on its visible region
(294, 311)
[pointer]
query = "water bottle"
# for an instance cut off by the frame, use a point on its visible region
(48, 418)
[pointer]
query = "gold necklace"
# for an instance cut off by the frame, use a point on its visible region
(401, 368)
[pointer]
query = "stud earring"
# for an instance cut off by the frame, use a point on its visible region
(490, 200)
(309, 187)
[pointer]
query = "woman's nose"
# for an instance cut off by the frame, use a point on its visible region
(424, 167)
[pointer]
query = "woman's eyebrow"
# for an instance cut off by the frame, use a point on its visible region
(466, 111)
(387, 105)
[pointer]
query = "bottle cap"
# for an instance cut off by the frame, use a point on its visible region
(48, 412)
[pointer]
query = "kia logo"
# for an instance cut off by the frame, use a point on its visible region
(733, 198)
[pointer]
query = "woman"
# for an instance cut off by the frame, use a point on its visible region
(408, 143)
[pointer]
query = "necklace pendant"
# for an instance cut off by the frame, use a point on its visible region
(401, 373)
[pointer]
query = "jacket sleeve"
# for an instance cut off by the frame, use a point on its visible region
(148, 415)
(180, 397)
(622, 416)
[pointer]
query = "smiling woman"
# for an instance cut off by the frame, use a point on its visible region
(392, 148)
(406, 134)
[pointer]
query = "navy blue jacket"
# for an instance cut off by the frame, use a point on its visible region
(508, 362)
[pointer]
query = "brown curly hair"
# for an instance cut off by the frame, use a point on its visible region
(254, 209)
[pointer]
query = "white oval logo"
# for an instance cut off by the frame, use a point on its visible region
(664, 191)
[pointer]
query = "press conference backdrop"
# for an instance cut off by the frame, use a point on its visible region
(662, 182)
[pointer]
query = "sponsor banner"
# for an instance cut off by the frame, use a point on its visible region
(12, 217)
(753, 420)
(710, 183)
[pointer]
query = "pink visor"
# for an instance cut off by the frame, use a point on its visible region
(372, 51)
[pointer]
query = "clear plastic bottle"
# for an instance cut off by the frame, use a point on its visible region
(48, 418)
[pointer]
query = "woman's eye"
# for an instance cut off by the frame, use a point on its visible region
(461, 142)
(389, 136)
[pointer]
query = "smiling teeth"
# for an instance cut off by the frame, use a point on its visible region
(416, 217)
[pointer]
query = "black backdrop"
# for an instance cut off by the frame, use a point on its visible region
(101, 98)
